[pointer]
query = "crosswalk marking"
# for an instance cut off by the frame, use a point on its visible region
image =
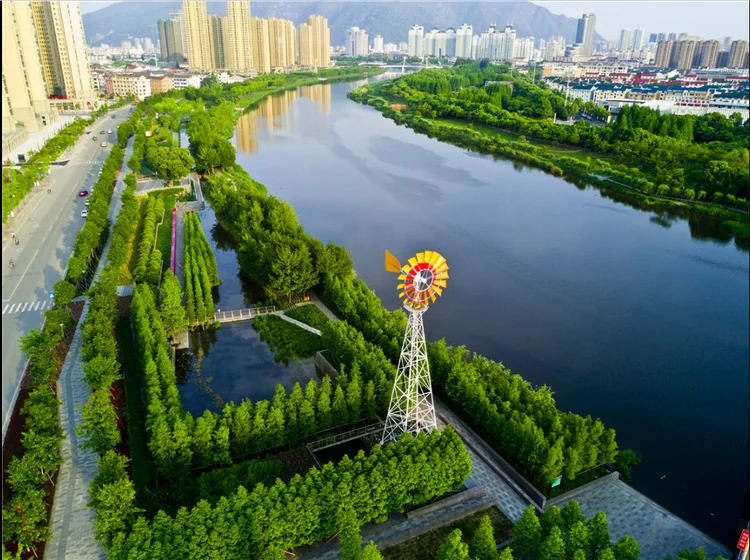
(28, 306)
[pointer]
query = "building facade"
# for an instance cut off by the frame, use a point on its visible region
(261, 50)
(585, 34)
(198, 44)
(283, 44)
(737, 54)
(126, 83)
(239, 45)
(357, 42)
(415, 44)
(314, 40)
(170, 40)
(217, 37)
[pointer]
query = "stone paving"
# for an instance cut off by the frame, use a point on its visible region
(72, 522)
(659, 532)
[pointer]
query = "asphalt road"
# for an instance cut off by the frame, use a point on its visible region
(46, 245)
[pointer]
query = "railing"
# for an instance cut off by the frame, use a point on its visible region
(242, 314)
(330, 441)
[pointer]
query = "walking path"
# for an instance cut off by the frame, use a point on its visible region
(72, 522)
(322, 306)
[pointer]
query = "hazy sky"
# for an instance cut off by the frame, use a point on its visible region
(710, 19)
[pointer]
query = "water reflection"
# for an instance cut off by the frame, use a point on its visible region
(276, 114)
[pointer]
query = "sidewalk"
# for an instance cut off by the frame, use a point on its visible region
(37, 139)
(72, 522)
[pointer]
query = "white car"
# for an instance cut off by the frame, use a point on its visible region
(104, 144)
(84, 213)
(109, 131)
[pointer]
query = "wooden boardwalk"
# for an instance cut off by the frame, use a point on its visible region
(242, 314)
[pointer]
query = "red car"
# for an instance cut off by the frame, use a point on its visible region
(83, 193)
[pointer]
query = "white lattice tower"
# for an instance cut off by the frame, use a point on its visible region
(412, 409)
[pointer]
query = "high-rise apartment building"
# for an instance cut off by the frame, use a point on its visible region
(664, 54)
(737, 53)
(653, 38)
(672, 37)
(585, 34)
(64, 55)
(463, 41)
(637, 42)
(706, 54)
(239, 37)
(217, 37)
(661, 37)
(314, 40)
(415, 45)
(377, 44)
(198, 44)
(261, 45)
(682, 54)
(497, 45)
(626, 40)
(722, 61)
(25, 102)
(357, 42)
(170, 39)
(283, 44)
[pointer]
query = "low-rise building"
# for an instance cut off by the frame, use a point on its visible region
(160, 83)
(182, 81)
(137, 84)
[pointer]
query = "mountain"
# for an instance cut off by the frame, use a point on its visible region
(392, 20)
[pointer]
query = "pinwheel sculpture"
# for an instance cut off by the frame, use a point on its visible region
(412, 409)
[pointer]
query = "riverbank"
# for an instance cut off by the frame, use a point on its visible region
(573, 163)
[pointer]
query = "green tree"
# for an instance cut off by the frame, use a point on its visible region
(552, 517)
(483, 545)
(571, 514)
(527, 533)
(626, 548)
(112, 496)
(292, 271)
(453, 548)
(552, 547)
(172, 311)
(598, 532)
(172, 163)
(64, 292)
(339, 410)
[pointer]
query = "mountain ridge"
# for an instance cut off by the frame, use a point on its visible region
(392, 20)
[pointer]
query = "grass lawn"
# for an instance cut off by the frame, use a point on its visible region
(286, 339)
(310, 315)
(139, 453)
(126, 272)
(426, 546)
(164, 235)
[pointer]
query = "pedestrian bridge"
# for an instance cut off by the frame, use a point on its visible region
(242, 314)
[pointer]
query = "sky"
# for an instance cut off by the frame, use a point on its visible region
(709, 19)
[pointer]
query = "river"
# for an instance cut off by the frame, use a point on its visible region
(636, 316)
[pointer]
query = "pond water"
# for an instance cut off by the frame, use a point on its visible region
(636, 316)
(232, 362)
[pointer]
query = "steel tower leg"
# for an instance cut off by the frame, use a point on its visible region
(412, 409)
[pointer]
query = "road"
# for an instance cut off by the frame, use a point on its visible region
(46, 245)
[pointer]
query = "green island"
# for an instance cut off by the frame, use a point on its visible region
(700, 163)
(241, 483)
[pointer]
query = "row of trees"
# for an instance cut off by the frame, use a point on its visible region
(209, 132)
(268, 520)
(31, 477)
(94, 233)
(148, 261)
(201, 272)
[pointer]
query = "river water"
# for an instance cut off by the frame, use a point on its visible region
(636, 316)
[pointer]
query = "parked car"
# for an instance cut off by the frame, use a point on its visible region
(102, 132)
(94, 138)
(84, 213)
(104, 144)
(88, 132)
(114, 116)
(109, 131)
(83, 192)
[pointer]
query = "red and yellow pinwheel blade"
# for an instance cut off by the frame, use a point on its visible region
(422, 279)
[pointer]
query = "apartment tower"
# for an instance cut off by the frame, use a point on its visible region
(170, 39)
(737, 54)
(260, 48)
(682, 54)
(585, 34)
(314, 40)
(706, 54)
(24, 91)
(239, 53)
(217, 37)
(283, 44)
(64, 55)
(664, 54)
(198, 44)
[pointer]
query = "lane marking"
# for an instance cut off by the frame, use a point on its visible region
(38, 303)
(24, 307)
(5, 309)
(11, 308)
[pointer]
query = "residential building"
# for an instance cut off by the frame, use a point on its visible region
(672, 37)
(126, 45)
(62, 46)
(170, 40)
(463, 41)
(706, 54)
(127, 83)
(626, 40)
(377, 44)
(653, 38)
(682, 54)
(217, 37)
(261, 46)
(160, 83)
(314, 40)
(182, 81)
(585, 34)
(283, 43)
(25, 104)
(737, 54)
(357, 42)
(198, 44)
(637, 43)
(664, 54)
(416, 41)
(238, 53)
(722, 61)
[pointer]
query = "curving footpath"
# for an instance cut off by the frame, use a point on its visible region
(72, 522)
